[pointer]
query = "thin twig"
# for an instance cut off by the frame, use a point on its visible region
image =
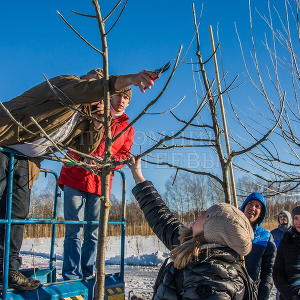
(185, 169)
(112, 11)
(78, 34)
(118, 18)
(168, 110)
(83, 15)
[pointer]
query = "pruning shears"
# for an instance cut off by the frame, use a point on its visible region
(159, 71)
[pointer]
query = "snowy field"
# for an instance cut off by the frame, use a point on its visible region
(143, 255)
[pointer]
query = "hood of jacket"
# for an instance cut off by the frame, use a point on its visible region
(289, 217)
(259, 197)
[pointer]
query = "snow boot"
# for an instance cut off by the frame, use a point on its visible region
(137, 297)
(16, 280)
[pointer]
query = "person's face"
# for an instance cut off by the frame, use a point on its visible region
(283, 220)
(198, 225)
(119, 102)
(253, 210)
(296, 222)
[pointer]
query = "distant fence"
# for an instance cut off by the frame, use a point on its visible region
(44, 230)
(136, 223)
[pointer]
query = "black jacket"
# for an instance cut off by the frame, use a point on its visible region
(286, 272)
(213, 276)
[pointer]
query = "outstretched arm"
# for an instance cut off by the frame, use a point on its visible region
(80, 90)
(161, 220)
(142, 79)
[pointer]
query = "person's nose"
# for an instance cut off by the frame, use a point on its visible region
(252, 207)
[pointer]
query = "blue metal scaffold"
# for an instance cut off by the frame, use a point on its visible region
(52, 289)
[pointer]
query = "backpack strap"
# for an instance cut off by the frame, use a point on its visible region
(251, 288)
(164, 269)
(160, 274)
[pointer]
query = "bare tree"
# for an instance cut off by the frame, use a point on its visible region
(187, 193)
(275, 80)
(214, 135)
(102, 166)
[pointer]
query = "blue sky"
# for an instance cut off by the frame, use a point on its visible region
(34, 40)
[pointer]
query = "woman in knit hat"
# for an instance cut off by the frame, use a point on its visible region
(206, 258)
(286, 272)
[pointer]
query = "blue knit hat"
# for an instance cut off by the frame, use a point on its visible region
(259, 197)
(256, 196)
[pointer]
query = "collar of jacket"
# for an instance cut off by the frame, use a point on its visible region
(295, 234)
(284, 227)
(261, 236)
(120, 119)
(209, 246)
(224, 253)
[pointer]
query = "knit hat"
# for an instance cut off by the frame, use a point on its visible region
(258, 197)
(126, 91)
(296, 211)
(226, 225)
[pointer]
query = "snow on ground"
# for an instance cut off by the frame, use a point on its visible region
(143, 256)
(139, 250)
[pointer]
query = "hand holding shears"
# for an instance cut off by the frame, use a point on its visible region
(157, 73)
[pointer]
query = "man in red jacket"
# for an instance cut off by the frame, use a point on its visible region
(81, 194)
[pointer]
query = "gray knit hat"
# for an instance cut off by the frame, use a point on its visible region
(226, 225)
(296, 211)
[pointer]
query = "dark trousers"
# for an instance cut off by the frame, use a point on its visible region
(20, 206)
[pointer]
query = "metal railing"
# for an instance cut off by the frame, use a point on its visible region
(52, 258)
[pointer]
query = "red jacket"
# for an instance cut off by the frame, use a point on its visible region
(84, 180)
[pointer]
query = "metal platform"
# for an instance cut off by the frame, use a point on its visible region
(53, 289)
(70, 290)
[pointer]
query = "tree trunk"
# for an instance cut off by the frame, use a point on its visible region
(102, 236)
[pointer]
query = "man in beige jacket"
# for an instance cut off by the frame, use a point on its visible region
(57, 108)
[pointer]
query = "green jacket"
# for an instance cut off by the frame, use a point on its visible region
(48, 110)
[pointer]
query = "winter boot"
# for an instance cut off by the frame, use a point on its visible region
(137, 297)
(16, 280)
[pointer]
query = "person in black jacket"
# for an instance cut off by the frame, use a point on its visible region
(206, 260)
(286, 272)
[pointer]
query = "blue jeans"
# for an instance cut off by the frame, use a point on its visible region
(80, 256)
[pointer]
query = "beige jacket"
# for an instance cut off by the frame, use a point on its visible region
(51, 112)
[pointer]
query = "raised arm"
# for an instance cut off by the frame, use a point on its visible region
(162, 221)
